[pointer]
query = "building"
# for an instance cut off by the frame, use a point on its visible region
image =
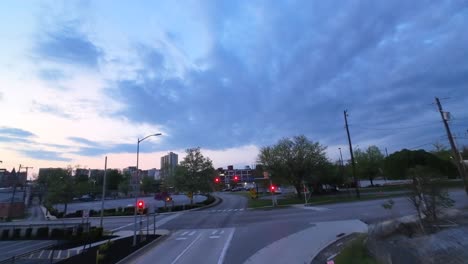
(168, 164)
(154, 173)
(243, 175)
(13, 178)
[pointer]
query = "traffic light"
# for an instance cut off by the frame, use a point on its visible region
(236, 178)
(217, 180)
(141, 206)
(272, 188)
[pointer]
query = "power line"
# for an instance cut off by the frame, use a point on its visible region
(392, 128)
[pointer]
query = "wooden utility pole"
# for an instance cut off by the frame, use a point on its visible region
(353, 165)
(456, 154)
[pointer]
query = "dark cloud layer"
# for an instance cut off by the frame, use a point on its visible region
(296, 70)
(66, 44)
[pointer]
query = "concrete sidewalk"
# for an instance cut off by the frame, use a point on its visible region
(303, 246)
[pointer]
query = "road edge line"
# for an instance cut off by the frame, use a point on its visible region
(226, 246)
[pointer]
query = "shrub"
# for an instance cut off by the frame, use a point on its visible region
(5, 234)
(42, 232)
(28, 232)
(16, 232)
(57, 233)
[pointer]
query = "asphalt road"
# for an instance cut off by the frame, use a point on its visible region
(223, 234)
(109, 204)
(9, 249)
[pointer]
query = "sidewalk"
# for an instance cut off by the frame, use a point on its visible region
(303, 246)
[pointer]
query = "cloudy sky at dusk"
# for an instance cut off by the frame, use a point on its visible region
(83, 79)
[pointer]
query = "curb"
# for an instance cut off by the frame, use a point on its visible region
(332, 242)
(132, 257)
(217, 201)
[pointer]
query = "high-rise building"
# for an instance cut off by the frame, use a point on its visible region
(168, 164)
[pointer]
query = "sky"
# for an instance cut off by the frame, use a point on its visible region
(81, 80)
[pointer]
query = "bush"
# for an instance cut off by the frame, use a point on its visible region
(28, 232)
(16, 232)
(5, 234)
(57, 233)
(42, 232)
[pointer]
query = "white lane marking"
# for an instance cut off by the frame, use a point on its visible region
(59, 253)
(222, 232)
(30, 256)
(236, 209)
(181, 238)
(242, 209)
(50, 253)
(229, 210)
(40, 255)
(214, 232)
(220, 210)
(187, 248)
(184, 233)
(226, 246)
(120, 227)
(214, 236)
(192, 233)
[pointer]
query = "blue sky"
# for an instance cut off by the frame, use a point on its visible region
(84, 79)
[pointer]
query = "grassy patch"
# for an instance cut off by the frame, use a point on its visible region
(355, 253)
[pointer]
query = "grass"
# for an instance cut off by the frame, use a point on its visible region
(315, 200)
(355, 253)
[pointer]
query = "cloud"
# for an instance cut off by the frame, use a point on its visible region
(292, 68)
(82, 141)
(13, 139)
(52, 74)
(50, 109)
(15, 132)
(44, 155)
(67, 44)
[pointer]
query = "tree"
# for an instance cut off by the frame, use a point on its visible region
(194, 173)
(369, 162)
(60, 186)
(397, 165)
(426, 195)
(113, 179)
(148, 184)
(294, 160)
(124, 185)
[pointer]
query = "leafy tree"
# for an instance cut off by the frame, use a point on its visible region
(293, 160)
(124, 185)
(148, 184)
(59, 185)
(398, 164)
(369, 162)
(113, 179)
(194, 173)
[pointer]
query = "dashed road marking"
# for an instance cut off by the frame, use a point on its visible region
(214, 236)
(181, 238)
(192, 233)
(184, 233)
(187, 248)
(214, 232)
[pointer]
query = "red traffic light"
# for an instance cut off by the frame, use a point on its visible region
(272, 188)
(140, 204)
(236, 178)
(217, 180)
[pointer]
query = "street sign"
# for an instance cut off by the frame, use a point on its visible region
(253, 193)
(266, 175)
(190, 195)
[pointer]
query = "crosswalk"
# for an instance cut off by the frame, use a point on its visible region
(52, 254)
(185, 234)
(224, 210)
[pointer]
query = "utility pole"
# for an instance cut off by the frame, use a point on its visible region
(456, 154)
(353, 165)
(103, 191)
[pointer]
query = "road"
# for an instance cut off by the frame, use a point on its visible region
(116, 203)
(229, 233)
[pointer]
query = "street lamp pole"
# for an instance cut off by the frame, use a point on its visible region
(138, 190)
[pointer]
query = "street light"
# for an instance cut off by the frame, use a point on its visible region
(136, 195)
